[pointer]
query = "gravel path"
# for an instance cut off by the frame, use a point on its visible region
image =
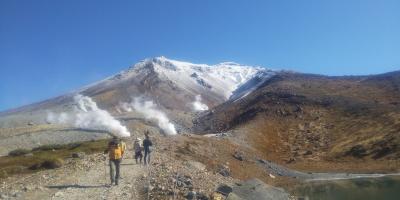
(85, 179)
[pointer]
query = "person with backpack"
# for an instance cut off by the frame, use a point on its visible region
(115, 152)
(137, 146)
(146, 146)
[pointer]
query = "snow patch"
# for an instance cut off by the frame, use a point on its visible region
(252, 84)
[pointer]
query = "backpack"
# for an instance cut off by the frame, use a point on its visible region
(115, 152)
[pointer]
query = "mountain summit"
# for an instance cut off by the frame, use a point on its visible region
(221, 79)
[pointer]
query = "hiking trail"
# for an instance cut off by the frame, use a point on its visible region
(86, 178)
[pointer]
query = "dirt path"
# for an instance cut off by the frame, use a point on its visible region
(85, 179)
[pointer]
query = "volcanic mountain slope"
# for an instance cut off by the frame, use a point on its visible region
(297, 117)
(173, 86)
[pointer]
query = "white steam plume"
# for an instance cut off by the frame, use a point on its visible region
(87, 115)
(198, 105)
(150, 111)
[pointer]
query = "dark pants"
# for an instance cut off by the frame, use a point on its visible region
(146, 157)
(138, 155)
(114, 170)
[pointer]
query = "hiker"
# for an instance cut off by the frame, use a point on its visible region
(138, 150)
(115, 152)
(146, 145)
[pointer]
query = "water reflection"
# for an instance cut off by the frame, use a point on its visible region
(386, 188)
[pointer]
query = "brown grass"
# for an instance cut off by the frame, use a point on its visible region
(10, 165)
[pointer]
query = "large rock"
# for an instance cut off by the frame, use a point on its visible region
(52, 163)
(224, 170)
(78, 155)
(256, 189)
(238, 155)
(224, 189)
(196, 165)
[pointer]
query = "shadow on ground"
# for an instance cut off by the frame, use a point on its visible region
(128, 164)
(75, 186)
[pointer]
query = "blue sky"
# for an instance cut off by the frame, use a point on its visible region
(50, 47)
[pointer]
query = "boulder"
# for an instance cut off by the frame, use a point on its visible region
(196, 165)
(224, 189)
(78, 155)
(190, 195)
(202, 196)
(52, 163)
(238, 155)
(224, 170)
(58, 194)
(183, 181)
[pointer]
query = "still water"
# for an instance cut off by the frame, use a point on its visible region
(386, 188)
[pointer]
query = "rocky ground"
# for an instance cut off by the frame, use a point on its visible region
(81, 178)
(87, 177)
(171, 175)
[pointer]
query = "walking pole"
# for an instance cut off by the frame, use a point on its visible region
(105, 169)
(148, 182)
(148, 176)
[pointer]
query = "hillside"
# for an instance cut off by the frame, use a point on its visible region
(305, 120)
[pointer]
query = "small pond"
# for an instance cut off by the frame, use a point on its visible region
(385, 188)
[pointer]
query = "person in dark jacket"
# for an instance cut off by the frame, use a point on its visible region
(137, 146)
(146, 146)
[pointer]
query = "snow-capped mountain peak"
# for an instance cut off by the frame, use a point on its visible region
(222, 79)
